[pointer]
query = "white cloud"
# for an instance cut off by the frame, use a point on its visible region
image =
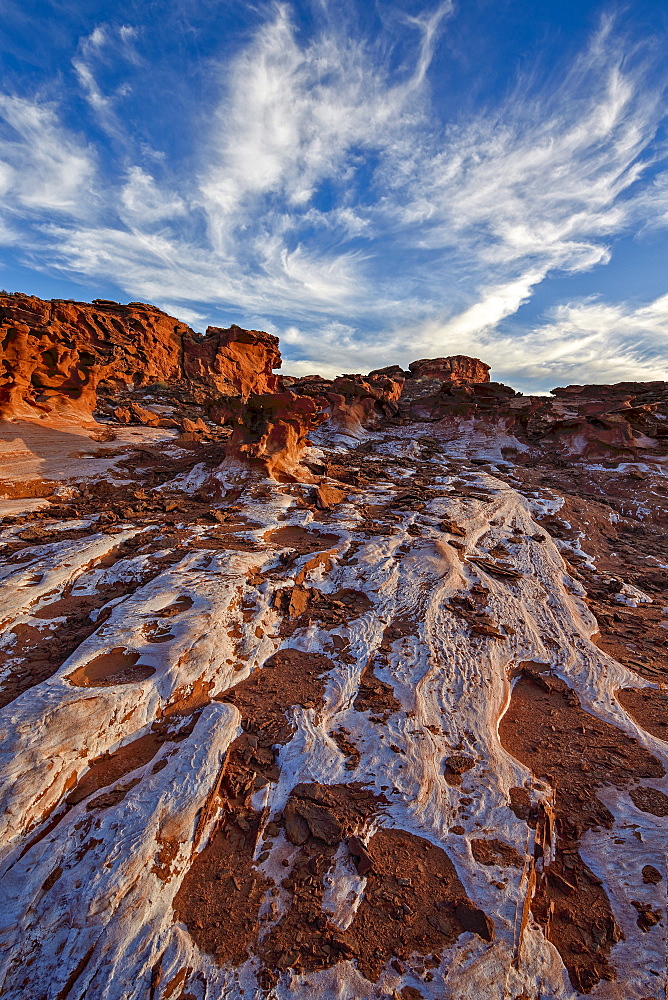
(297, 116)
(43, 168)
(544, 178)
(144, 202)
(611, 343)
(103, 46)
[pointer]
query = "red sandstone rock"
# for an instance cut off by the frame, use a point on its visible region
(363, 401)
(194, 426)
(458, 368)
(237, 362)
(55, 354)
(354, 401)
(271, 433)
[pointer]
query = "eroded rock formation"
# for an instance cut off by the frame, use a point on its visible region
(236, 362)
(55, 354)
(271, 433)
(456, 369)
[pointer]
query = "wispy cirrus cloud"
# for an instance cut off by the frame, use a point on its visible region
(44, 168)
(297, 116)
(104, 45)
(329, 198)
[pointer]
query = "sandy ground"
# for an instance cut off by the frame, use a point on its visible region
(31, 452)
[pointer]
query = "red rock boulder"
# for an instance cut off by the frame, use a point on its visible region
(271, 434)
(236, 362)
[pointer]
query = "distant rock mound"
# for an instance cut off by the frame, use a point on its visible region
(458, 368)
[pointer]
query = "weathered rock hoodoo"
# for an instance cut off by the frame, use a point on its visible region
(271, 433)
(313, 687)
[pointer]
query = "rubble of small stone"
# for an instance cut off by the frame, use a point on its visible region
(347, 687)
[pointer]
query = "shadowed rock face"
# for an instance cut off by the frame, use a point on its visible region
(271, 433)
(353, 402)
(55, 354)
(603, 421)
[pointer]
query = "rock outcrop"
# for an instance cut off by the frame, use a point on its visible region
(456, 369)
(357, 403)
(236, 362)
(56, 353)
(353, 402)
(271, 432)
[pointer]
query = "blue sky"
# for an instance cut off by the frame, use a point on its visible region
(373, 182)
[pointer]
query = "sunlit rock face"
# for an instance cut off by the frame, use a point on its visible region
(235, 361)
(341, 688)
(55, 355)
(454, 369)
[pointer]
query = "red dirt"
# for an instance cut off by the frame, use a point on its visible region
(650, 800)
(413, 902)
(289, 677)
(495, 852)
(220, 895)
(648, 707)
(424, 916)
(304, 605)
(119, 666)
(302, 540)
(547, 730)
(375, 696)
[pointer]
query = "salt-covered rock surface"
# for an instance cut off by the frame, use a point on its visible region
(391, 726)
